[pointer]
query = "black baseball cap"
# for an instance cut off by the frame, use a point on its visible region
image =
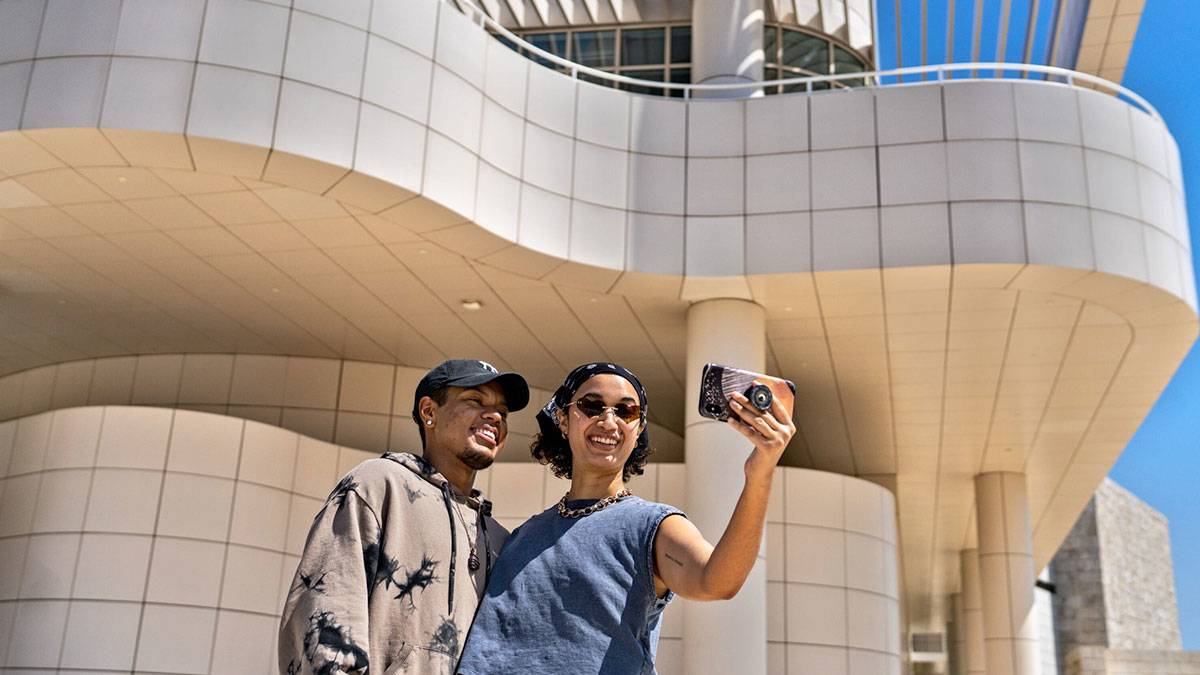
(468, 373)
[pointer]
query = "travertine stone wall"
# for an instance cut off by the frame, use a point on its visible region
(1102, 661)
(1079, 591)
(1139, 582)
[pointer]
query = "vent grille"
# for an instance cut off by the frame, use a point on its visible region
(928, 643)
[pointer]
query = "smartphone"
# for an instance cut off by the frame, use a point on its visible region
(719, 383)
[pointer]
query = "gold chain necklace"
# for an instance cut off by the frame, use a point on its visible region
(589, 510)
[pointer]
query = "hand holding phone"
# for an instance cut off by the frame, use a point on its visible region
(719, 383)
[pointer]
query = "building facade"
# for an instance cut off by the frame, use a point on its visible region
(233, 234)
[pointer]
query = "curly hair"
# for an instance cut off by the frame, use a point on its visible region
(556, 453)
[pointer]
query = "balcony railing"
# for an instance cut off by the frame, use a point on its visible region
(947, 72)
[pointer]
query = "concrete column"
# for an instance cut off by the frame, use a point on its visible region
(1006, 575)
(727, 43)
(957, 636)
(973, 652)
(729, 636)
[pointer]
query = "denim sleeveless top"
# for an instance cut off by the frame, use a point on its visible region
(573, 596)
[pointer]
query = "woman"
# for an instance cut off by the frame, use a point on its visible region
(580, 587)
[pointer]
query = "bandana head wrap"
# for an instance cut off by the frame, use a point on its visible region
(547, 418)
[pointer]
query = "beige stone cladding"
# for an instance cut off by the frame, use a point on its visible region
(1102, 661)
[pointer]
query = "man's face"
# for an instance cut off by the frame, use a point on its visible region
(471, 425)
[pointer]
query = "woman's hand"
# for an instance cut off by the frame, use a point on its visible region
(770, 431)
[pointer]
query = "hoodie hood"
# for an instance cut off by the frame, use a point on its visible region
(422, 468)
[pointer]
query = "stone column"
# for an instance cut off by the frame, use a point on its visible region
(973, 652)
(957, 636)
(727, 43)
(1006, 575)
(723, 636)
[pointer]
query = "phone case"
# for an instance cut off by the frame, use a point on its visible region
(718, 383)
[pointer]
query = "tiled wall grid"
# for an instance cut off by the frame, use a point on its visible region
(361, 405)
(162, 540)
(415, 94)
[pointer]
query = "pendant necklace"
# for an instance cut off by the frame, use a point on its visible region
(473, 557)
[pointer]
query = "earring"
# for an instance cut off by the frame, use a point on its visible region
(428, 423)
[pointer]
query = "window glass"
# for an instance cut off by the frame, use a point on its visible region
(595, 48)
(802, 50)
(555, 43)
(845, 62)
(642, 46)
(769, 37)
(654, 75)
(681, 44)
(680, 76)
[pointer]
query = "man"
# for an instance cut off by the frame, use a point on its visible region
(397, 559)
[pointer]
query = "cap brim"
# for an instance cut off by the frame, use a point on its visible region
(516, 389)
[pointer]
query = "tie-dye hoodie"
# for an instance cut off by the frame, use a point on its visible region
(384, 585)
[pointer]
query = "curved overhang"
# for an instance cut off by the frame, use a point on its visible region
(960, 276)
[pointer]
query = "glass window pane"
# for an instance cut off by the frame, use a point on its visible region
(642, 46)
(845, 62)
(655, 75)
(769, 44)
(680, 76)
(555, 43)
(805, 51)
(681, 44)
(595, 48)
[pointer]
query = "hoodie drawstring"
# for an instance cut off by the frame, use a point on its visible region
(453, 545)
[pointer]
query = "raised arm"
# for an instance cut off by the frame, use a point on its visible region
(685, 561)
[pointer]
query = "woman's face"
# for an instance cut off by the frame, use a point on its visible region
(601, 443)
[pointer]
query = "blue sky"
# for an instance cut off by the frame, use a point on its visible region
(1162, 463)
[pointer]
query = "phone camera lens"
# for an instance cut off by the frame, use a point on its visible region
(713, 409)
(760, 396)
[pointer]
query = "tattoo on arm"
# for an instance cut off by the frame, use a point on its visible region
(673, 559)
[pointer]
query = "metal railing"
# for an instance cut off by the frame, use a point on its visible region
(941, 73)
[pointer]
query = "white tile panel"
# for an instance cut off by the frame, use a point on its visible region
(196, 507)
(913, 174)
(461, 45)
(123, 500)
(1052, 172)
(66, 92)
(551, 100)
(777, 183)
(864, 565)
(867, 624)
(205, 444)
(1155, 200)
(259, 516)
(325, 53)
(983, 170)
(776, 124)
(816, 615)
(352, 12)
(20, 24)
(390, 147)
(163, 28)
(714, 186)
(113, 567)
(843, 178)
(842, 119)
(1149, 142)
(233, 104)
(987, 232)
(548, 159)
(316, 123)
(845, 239)
(450, 172)
(603, 116)
(397, 78)
(779, 242)
(175, 639)
(658, 126)
(251, 580)
(1120, 245)
(258, 380)
(597, 235)
(184, 571)
(1105, 123)
(37, 634)
(17, 503)
(29, 444)
(79, 28)
(815, 555)
(14, 82)
(714, 246)
(411, 23)
(244, 34)
(1113, 183)
(1161, 261)
(49, 566)
(238, 642)
(656, 183)
(455, 108)
(714, 128)
(1058, 235)
(1047, 112)
(655, 244)
(74, 436)
(506, 75)
(976, 110)
(502, 138)
(915, 235)
(544, 221)
(600, 174)
(497, 201)
(816, 658)
(909, 115)
(134, 438)
(100, 635)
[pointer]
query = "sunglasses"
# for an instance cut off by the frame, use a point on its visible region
(592, 407)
